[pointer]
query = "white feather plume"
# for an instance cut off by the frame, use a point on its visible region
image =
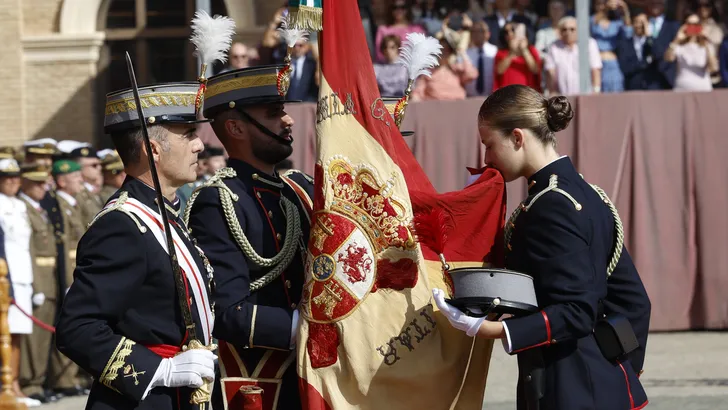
(420, 54)
(212, 37)
(291, 35)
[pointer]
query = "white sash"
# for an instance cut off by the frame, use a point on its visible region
(153, 222)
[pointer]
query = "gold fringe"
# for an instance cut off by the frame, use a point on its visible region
(306, 18)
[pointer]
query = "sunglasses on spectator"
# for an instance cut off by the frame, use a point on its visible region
(568, 29)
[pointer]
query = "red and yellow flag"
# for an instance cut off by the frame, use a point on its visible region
(370, 336)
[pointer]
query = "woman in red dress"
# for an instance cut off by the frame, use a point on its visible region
(516, 62)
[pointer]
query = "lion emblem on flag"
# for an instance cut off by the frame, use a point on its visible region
(360, 242)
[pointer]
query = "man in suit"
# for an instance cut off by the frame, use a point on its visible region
(303, 78)
(635, 56)
(663, 32)
(482, 55)
(253, 224)
(504, 13)
(134, 315)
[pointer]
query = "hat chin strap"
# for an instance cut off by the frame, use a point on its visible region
(263, 129)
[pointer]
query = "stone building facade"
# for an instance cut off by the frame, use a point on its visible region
(56, 57)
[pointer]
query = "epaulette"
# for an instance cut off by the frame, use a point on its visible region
(296, 171)
(118, 205)
(303, 196)
(214, 181)
(553, 186)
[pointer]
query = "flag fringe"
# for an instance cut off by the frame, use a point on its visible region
(306, 18)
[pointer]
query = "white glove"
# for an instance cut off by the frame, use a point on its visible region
(458, 319)
(38, 299)
(188, 369)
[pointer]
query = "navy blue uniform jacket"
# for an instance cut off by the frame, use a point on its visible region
(122, 301)
(256, 324)
(565, 241)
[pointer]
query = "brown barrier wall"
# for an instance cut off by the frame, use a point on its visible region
(661, 156)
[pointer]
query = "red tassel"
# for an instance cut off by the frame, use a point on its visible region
(432, 227)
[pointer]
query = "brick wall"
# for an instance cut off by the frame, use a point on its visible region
(11, 71)
(60, 100)
(40, 16)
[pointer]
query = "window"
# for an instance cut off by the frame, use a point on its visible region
(156, 35)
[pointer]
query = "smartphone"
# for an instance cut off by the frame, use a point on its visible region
(520, 31)
(693, 30)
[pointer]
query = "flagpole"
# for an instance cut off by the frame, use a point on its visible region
(583, 35)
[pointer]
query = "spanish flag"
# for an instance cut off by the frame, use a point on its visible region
(370, 336)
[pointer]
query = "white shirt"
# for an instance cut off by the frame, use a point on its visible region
(502, 20)
(507, 344)
(639, 44)
(68, 197)
(298, 67)
(16, 226)
(489, 51)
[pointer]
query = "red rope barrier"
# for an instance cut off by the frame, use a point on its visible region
(35, 320)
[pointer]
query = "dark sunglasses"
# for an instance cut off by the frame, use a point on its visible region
(568, 29)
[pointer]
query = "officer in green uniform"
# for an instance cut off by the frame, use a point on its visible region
(36, 349)
(88, 198)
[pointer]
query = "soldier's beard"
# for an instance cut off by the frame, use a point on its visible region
(270, 150)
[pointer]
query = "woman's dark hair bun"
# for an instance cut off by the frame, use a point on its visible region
(558, 113)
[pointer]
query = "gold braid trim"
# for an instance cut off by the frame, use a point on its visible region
(119, 206)
(553, 186)
(116, 362)
(618, 229)
(279, 262)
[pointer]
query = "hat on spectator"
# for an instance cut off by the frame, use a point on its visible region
(42, 146)
(65, 166)
(110, 161)
(35, 171)
(9, 167)
(7, 152)
(75, 149)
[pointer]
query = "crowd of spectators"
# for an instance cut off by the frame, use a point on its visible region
(487, 44)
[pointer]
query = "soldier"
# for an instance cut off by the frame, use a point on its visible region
(88, 199)
(69, 183)
(113, 170)
(568, 237)
(252, 223)
(15, 248)
(123, 320)
(35, 352)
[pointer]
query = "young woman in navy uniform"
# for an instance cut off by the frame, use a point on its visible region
(564, 236)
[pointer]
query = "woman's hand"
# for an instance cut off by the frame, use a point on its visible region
(514, 45)
(459, 320)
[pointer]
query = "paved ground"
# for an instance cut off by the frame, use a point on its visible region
(682, 371)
